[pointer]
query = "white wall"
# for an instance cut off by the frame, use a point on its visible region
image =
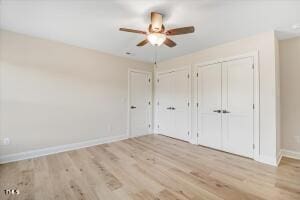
(265, 44)
(55, 94)
(290, 93)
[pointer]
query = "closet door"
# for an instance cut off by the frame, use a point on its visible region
(164, 113)
(209, 106)
(237, 106)
(174, 99)
(180, 104)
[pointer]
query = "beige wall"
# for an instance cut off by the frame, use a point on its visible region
(265, 44)
(278, 108)
(54, 94)
(290, 93)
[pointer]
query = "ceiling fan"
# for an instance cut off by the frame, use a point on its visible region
(156, 33)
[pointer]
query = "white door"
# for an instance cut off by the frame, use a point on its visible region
(180, 104)
(174, 104)
(237, 106)
(140, 103)
(164, 117)
(209, 106)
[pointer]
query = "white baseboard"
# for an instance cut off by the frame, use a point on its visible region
(279, 157)
(58, 149)
(282, 153)
(268, 160)
(193, 141)
(134, 136)
(290, 154)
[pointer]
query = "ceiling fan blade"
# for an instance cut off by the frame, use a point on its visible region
(132, 31)
(181, 31)
(156, 21)
(169, 43)
(142, 43)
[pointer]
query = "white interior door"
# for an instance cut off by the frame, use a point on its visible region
(173, 109)
(209, 106)
(237, 106)
(140, 103)
(180, 104)
(164, 117)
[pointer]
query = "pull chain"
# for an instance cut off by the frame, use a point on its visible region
(155, 56)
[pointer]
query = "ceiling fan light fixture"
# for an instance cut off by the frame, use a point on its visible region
(156, 39)
(156, 34)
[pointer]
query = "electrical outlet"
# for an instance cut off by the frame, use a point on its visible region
(6, 141)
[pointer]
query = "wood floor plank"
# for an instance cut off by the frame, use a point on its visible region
(152, 167)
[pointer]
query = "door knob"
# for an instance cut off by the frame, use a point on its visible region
(169, 108)
(132, 107)
(173, 108)
(217, 111)
(225, 111)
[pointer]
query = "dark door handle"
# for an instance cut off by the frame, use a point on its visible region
(225, 111)
(173, 108)
(217, 111)
(132, 107)
(169, 108)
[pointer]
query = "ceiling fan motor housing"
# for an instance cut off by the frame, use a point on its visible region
(156, 22)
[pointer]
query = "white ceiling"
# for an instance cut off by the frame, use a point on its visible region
(94, 23)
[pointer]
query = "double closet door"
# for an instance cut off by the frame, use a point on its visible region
(173, 104)
(225, 106)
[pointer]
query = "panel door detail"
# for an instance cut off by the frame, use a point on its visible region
(209, 106)
(180, 104)
(237, 106)
(174, 104)
(165, 119)
(140, 103)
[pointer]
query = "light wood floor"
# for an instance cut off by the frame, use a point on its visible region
(149, 167)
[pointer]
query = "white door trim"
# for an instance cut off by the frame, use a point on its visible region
(156, 76)
(130, 70)
(255, 55)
